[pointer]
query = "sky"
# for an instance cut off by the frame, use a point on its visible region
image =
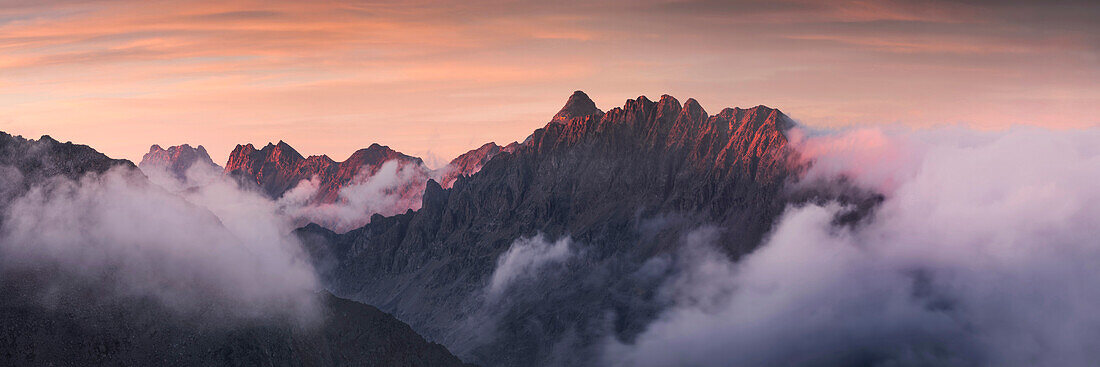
(437, 78)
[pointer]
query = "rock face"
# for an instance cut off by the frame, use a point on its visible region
(578, 105)
(50, 315)
(176, 159)
(277, 168)
(470, 162)
(625, 186)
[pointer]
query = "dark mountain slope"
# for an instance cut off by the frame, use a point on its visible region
(624, 185)
(79, 331)
(51, 314)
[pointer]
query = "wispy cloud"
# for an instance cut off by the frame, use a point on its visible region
(981, 253)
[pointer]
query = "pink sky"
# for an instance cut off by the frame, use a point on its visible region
(435, 79)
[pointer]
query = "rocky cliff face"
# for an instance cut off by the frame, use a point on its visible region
(176, 160)
(623, 187)
(277, 168)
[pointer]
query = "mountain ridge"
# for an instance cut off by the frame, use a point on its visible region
(277, 168)
(626, 184)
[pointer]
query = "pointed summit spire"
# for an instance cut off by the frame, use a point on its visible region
(694, 109)
(283, 148)
(578, 105)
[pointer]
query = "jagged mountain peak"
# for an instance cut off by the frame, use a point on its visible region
(248, 147)
(182, 147)
(488, 145)
(378, 154)
(667, 102)
(279, 167)
(322, 157)
(691, 106)
(471, 162)
(578, 105)
(282, 148)
(176, 159)
(641, 122)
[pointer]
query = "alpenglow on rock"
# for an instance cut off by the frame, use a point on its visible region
(578, 105)
(277, 168)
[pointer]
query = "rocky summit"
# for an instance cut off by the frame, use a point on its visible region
(578, 105)
(277, 168)
(176, 159)
(471, 162)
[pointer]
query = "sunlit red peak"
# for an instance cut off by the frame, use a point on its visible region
(578, 105)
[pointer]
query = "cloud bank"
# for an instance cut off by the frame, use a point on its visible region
(211, 250)
(393, 189)
(983, 253)
(525, 258)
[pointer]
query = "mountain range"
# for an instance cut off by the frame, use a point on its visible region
(621, 187)
(50, 317)
(535, 253)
